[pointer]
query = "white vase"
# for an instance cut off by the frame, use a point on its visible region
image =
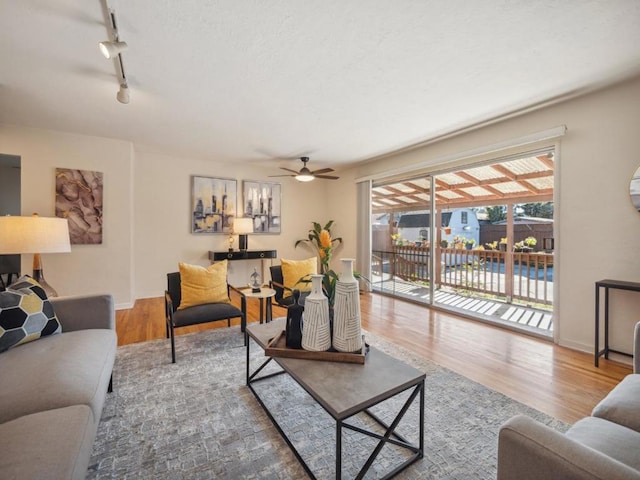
(316, 331)
(347, 329)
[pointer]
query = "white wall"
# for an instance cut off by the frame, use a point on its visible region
(598, 226)
(163, 213)
(104, 268)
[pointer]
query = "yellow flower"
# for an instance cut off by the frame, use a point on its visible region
(322, 254)
(325, 239)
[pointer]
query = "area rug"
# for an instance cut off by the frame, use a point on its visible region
(196, 419)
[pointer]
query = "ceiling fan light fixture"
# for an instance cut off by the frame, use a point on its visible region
(111, 49)
(304, 177)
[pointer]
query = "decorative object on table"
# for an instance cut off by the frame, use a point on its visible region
(79, 200)
(213, 204)
(293, 329)
(347, 330)
(230, 241)
(255, 281)
(316, 334)
(243, 226)
(277, 348)
(634, 189)
(35, 235)
(262, 203)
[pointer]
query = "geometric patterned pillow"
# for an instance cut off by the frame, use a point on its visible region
(25, 314)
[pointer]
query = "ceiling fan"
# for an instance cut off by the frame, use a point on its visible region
(306, 175)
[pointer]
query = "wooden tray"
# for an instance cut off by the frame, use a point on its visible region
(277, 348)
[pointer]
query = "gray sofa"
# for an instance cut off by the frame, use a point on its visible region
(52, 391)
(605, 445)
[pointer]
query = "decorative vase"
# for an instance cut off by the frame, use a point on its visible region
(316, 334)
(347, 331)
(293, 327)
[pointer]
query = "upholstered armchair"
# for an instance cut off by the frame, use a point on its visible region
(605, 445)
(177, 317)
(277, 283)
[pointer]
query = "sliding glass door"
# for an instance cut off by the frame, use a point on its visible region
(477, 240)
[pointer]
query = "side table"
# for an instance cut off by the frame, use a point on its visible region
(265, 293)
(608, 284)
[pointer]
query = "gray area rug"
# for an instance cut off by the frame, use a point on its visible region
(196, 419)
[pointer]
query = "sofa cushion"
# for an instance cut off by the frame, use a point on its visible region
(51, 444)
(57, 371)
(294, 270)
(200, 285)
(622, 404)
(618, 442)
(25, 314)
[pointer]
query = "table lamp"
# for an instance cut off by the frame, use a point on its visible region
(242, 226)
(35, 235)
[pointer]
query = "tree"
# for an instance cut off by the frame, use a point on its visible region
(497, 213)
(539, 209)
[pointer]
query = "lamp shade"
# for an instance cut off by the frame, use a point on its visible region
(34, 235)
(243, 226)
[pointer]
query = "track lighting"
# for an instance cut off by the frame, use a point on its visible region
(111, 49)
(123, 93)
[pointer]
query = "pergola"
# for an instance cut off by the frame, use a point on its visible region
(524, 180)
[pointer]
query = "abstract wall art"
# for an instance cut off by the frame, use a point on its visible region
(261, 201)
(79, 195)
(213, 204)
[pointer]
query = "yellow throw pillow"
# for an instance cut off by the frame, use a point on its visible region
(200, 285)
(294, 270)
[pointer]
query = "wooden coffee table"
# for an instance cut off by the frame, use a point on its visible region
(344, 390)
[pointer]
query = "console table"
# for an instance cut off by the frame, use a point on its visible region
(242, 255)
(245, 255)
(607, 285)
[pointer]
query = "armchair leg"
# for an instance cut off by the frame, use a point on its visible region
(173, 346)
(228, 322)
(110, 388)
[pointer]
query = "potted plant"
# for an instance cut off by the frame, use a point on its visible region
(492, 245)
(469, 243)
(444, 243)
(530, 242)
(503, 244)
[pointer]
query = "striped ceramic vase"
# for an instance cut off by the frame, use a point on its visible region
(316, 331)
(347, 331)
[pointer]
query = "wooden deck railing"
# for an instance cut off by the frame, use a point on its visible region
(486, 271)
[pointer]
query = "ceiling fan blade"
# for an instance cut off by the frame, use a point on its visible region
(322, 170)
(327, 177)
(282, 175)
(289, 170)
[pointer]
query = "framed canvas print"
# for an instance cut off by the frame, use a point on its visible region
(79, 200)
(261, 202)
(213, 204)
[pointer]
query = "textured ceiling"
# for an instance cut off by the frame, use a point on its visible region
(338, 80)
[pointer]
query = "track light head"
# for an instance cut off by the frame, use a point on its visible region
(111, 49)
(123, 94)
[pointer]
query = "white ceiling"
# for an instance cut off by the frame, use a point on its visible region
(339, 80)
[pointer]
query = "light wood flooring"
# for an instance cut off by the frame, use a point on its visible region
(558, 381)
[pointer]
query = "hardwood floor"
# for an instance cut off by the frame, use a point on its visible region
(558, 381)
